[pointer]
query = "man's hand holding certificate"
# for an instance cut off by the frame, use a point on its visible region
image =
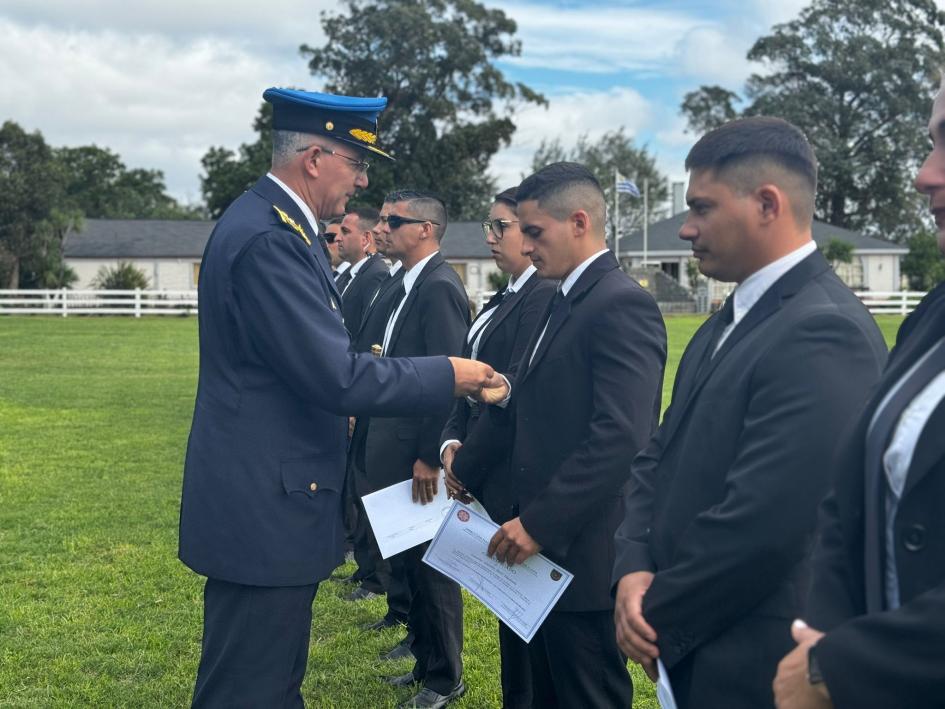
(520, 595)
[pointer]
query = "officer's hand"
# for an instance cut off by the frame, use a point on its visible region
(471, 377)
(426, 480)
(792, 689)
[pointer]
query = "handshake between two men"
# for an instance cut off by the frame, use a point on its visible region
(478, 380)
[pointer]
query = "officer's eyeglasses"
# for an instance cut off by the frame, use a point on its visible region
(360, 166)
(395, 222)
(497, 227)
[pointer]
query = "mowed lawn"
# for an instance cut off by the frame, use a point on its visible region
(95, 608)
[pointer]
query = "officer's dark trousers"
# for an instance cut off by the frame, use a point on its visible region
(255, 645)
(516, 667)
(575, 662)
(436, 620)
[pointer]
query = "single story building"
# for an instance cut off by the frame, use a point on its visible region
(875, 265)
(169, 251)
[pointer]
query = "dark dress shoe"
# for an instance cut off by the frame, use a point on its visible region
(401, 680)
(399, 652)
(361, 594)
(429, 699)
(383, 624)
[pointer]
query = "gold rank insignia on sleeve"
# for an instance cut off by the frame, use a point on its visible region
(286, 219)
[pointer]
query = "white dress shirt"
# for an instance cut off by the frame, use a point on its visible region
(757, 284)
(898, 458)
(479, 325)
(354, 272)
(410, 277)
(391, 271)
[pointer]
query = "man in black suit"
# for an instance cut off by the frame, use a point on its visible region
(879, 566)
(338, 264)
(430, 317)
(499, 336)
(359, 283)
(261, 506)
(712, 553)
(584, 399)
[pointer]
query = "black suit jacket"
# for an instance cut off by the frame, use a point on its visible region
(265, 465)
(894, 658)
(433, 321)
(501, 345)
(580, 411)
(723, 500)
(357, 296)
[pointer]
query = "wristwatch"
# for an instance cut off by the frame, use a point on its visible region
(814, 675)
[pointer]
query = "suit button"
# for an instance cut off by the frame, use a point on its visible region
(313, 487)
(914, 538)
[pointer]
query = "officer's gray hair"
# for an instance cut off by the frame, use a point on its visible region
(287, 144)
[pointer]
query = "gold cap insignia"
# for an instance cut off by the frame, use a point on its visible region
(329, 126)
(363, 135)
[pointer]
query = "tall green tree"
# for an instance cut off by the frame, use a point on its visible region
(98, 184)
(450, 109)
(923, 266)
(30, 189)
(857, 77)
(227, 174)
(614, 151)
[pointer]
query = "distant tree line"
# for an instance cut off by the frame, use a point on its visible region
(48, 191)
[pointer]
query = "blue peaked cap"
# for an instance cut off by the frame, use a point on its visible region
(350, 119)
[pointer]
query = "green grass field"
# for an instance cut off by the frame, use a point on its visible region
(95, 608)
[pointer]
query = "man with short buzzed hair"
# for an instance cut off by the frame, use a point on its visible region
(712, 555)
(359, 283)
(584, 399)
(430, 316)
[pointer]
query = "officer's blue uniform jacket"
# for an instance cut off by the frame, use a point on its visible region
(265, 462)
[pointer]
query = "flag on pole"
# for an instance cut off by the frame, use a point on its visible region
(626, 186)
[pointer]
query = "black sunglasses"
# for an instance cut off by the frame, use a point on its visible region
(330, 237)
(395, 222)
(497, 227)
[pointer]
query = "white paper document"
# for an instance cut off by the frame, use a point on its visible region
(398, 522)
(664, 691)
(521, 596)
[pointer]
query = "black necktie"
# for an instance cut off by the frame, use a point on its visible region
(343, 280)
(877, 439)
(496, 300)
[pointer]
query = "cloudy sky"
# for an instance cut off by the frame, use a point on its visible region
(159, 83)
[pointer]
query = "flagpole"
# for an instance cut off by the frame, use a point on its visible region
(616, 217)
(646, 219)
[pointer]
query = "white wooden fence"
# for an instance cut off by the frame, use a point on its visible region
(98, 302)
(184, 302)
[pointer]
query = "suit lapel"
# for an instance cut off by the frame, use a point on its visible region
(592, 274)
(506, 308)
(929, 449)
(770, 303)
(433, 264)
(275, 195)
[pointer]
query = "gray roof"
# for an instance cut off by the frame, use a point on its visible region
(664, 236)
(169, 238)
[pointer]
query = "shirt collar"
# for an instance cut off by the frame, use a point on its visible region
(312, 221)
(410, 276)
(515, 285)
(357, 267)
(752, 288)
(342, 267)
(395, 267)
(576, 273)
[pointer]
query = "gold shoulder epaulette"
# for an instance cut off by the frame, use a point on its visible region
(286, 219)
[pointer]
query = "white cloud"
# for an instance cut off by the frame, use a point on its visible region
(158, 102)
(711, 54)
(598, 39)
(567, 117)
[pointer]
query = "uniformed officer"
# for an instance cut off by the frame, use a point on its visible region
(261, 506)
